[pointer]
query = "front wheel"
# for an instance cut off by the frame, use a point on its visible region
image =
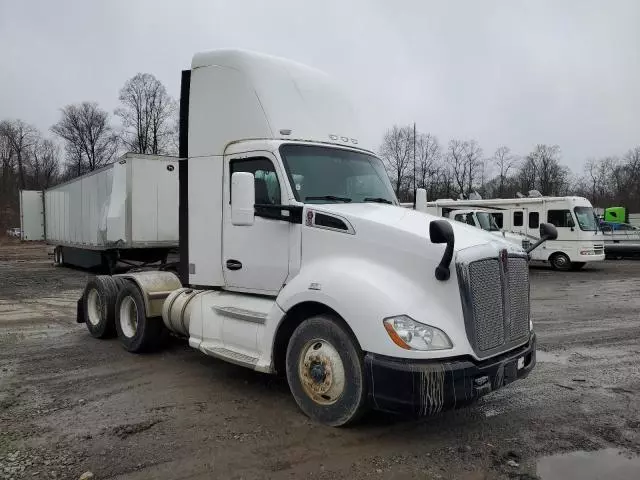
(560, 261)
(325, 371)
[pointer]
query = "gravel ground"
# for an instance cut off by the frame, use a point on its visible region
(70, 404)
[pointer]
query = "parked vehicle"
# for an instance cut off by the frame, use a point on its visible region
(484, 219)
(14, 232)
(578, 242)
(126, 211)
(297, 259)
(620, 239)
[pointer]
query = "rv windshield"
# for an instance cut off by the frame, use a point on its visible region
(586, 218)
(333, 175)
(487, 222)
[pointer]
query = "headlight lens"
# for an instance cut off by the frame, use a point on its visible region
(411, 335)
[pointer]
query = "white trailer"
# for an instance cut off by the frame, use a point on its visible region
(578, 242)
(31, 215)
(297, 259)
(126, 211)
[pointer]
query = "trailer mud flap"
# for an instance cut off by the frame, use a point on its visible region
(80, 310)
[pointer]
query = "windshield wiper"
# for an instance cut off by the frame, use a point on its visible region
(378, 200)
(329, 197)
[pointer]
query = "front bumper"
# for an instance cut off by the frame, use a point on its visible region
(428, 387)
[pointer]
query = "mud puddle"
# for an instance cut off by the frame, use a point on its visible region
(607, 464)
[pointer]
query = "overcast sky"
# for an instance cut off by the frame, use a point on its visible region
(510, 73)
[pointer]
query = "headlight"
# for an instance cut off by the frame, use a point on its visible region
(411, 335)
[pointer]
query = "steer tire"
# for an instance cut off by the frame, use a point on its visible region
(560, 261)
(99, 303)
(136, 332)
(317, 343)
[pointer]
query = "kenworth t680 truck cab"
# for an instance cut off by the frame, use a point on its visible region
(296, 258)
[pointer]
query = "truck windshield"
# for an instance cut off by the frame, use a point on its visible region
(487, 222)
(332, 175)
(586, 218)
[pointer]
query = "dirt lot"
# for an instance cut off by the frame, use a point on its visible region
(71, 404)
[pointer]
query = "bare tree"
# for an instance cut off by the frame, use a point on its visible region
(397, 153)
(90, 141)
(21, 138)
(550, 177)
(45, 164)
(429, 156)
(464, 158)
(504, 160)
(147, 114)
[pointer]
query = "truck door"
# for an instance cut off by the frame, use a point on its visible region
(256, 258)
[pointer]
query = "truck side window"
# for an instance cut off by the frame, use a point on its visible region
(517, 219)
(498, 219)
(534, 219)
(560, 218)
(266, 180)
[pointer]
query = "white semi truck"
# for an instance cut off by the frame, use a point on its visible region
(297, 259)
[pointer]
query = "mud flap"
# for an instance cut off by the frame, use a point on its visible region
(80, 310)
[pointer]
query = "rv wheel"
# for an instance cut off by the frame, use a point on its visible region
(325, 372)
(560, 261)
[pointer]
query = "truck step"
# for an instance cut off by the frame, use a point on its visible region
(231, 356)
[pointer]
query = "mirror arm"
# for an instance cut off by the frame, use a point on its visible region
(442, 270)
(537, 244)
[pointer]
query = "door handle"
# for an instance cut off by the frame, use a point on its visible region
(234, 265)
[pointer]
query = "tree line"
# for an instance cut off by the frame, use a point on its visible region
(84, 139)
(459, 168)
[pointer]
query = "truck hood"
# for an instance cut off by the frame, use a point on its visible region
(363, 216)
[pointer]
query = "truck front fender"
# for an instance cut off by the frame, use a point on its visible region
(364, 293)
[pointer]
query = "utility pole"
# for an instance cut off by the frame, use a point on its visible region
(414, 165)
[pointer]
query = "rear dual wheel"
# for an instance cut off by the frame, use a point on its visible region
(136, 331)
(100, 296)
(325, 372)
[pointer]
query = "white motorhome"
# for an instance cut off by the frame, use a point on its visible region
(297, 259)
(578, 242)
(482, 218)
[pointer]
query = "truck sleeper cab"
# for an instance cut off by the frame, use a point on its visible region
(297, 258)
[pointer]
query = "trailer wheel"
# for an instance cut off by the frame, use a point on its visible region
(325, 371)
(560, 261)
(136, 332)
(99, 305)
(58, 256)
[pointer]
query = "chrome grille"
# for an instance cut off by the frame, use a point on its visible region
(486, 293)
(518, 298)
(495, 302)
